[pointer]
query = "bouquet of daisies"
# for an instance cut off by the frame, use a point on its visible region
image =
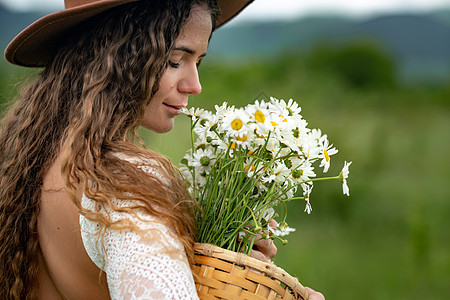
(244, 162)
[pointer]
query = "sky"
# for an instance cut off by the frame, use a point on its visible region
(282, 9)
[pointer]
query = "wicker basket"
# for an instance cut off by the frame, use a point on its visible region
(224, 274)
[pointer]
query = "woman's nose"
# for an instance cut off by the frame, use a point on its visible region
(190, 84)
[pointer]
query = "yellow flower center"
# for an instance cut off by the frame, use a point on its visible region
(283, 118)
(242, 138)
(232, 145)
(251, 167)
(236, 124)
(273, 123)
(327, 157)
(259, 116)
(262, 136)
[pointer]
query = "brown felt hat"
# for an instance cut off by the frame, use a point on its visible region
(34, 46)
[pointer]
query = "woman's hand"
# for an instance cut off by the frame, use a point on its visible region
(313, 295)
(266, 249)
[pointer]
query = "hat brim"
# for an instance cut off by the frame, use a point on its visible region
(34, 46)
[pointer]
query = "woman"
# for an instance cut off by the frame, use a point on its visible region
(68, 152)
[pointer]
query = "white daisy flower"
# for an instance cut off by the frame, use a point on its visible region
(291, 106)
(307, 189)
(311, 146)
(200, 179)
(272, 145)
(186, 173)
(325, 153)
(258, 115)
(282, 230)
(258, 111)
(275, 120)
(302, 170)
(296, 138)
(289, 113)
(316, 135)
(223, 110)
(275, 107)
(203, 159)
(245, 140)
(343, 176)
(188, 111)
(204, 122)
(284, 123)
(207, 138)
(187, 158)
(280, 172)
(267, 178)
(235, 123)
(268, 214)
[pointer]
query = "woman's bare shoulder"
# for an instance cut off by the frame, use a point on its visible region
(70, 268)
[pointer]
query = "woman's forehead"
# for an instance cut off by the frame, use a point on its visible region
(196, 31)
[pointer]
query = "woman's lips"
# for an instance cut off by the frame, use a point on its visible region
(174, 110)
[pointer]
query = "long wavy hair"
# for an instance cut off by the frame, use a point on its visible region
(85, 107)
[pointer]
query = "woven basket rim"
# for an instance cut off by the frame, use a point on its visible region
(241, 259)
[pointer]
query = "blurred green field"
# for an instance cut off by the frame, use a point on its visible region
(389, 239)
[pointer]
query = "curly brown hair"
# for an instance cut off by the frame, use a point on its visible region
(85, 106)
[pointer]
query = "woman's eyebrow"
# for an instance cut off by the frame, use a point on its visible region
(188, 50)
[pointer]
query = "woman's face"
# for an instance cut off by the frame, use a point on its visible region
(181, 76)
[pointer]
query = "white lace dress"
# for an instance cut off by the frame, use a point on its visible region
(154, 267)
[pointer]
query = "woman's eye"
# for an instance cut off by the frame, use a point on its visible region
(173, 65)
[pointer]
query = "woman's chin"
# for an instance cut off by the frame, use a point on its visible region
(159, 128)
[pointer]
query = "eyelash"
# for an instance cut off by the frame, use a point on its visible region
(176, 65)
(173, 65)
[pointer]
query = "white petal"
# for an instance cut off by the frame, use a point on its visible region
(345, 188)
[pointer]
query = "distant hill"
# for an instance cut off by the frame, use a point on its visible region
(420, 43)
(443, 15)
